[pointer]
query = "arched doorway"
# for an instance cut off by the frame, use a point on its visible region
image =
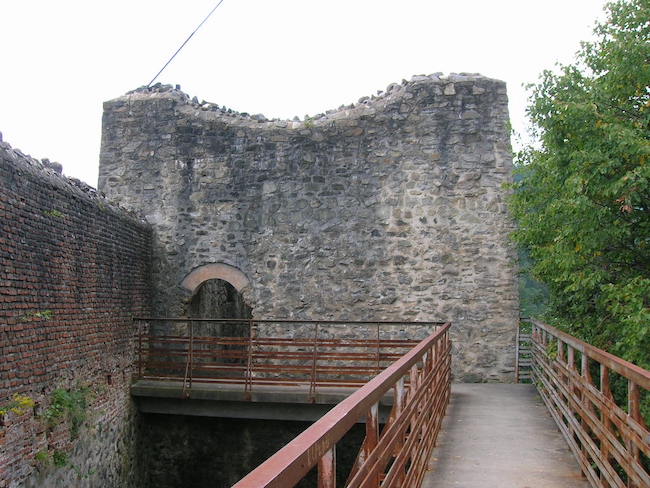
(217, 294)
(218, 299)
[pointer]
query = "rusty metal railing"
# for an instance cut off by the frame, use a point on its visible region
(595, 399)
(396, 457)
(312, 354)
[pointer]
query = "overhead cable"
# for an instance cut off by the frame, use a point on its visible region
(183, 45)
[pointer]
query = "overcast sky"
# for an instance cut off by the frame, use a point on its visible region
(61, 59)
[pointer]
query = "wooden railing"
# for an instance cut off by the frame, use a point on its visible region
(596, 400)
(396, 457)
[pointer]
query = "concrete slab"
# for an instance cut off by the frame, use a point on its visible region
(266, 402)
(298, 393)
(500, 436)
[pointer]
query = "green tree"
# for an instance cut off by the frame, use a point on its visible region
(582, 201)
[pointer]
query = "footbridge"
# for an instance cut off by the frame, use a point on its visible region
(580, 423)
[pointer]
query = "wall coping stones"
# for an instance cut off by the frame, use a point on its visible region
(443, 85)
(51, 173)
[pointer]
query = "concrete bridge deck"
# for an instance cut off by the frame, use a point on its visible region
(500, 436)
(264, 402)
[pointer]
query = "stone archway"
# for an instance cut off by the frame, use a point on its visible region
(218, 291)
(217, 294)
(221, 271)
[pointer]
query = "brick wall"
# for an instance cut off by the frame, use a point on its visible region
(73, 272)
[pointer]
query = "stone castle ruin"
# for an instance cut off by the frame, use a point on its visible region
(392, 209)
(389, 209)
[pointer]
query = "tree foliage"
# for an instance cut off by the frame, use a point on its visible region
(583, 200)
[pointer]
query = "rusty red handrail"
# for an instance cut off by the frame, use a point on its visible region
(608, 440)
(398, 456)
(291, 321)
(317, 354)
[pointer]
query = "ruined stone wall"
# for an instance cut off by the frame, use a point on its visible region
(392, 208)
(73, 272)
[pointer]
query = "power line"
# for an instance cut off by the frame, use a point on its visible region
(183, 45)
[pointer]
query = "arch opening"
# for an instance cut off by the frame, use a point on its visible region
(221, 271)
(218, 299)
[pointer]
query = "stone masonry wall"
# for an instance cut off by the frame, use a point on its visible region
(73, 272)
(202, 452)
(392, 208)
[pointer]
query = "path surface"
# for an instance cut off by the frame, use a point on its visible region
(500, 436)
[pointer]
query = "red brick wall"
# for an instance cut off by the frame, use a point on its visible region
(74, 270)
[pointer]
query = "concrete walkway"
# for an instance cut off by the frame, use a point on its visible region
(500, 436)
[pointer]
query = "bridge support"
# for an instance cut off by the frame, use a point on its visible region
(232, 401)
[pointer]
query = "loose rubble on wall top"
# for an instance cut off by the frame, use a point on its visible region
(391, 91)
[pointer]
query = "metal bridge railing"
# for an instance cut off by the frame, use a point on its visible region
(523, 351)
(596, 400)
(279, 353)
(396, 457)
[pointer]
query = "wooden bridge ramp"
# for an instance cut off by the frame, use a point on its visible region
(500, 436)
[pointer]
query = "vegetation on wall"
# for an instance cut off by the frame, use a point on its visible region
(582, 200)
(18, 405)
(39, 314)
(66, 406)
(69, 405)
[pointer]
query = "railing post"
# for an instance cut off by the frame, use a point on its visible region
(579, 390)
(378, 364)
(448, 364)
(140, 349)
(248, 374)
(398, 400)
(584, 366)
(604, 382)
(327, 469)
(604, 415)
(191, 351)
(372, 438)
(634, 401)
(586, 376)
(187, 382)
(414, 384)
(312, 382)
(398, 406)
(634, 411)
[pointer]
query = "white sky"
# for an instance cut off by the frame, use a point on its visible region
(61, 59)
